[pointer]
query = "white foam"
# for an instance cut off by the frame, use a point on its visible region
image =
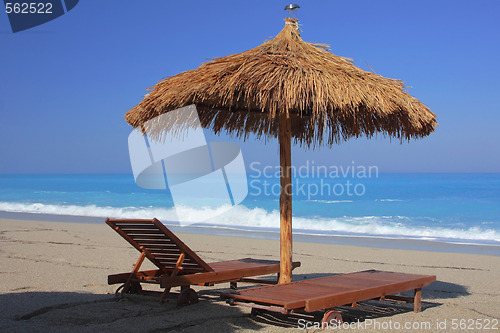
(331, 201)
(389, 200)
(241, 216)
(90, 210)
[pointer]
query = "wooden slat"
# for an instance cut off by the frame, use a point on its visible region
(146, 229)
(184, 248)
(122, 277)
(161, 237)
(167, 251)
(385, 276)
(143, 232)
(154, 242)
(330, 301)
(292, 293)
(216, 276)
(163, 241)
(269, 300)
(137, 222)
(167, 263)
(171, 251)
(144, 238)
(137, 226)
(132, 242)
(162, 255)
(246, 263)
(184, 265)
(137, 239)
(328, 292)
(186, 271)
(350, 282)
(164, 246)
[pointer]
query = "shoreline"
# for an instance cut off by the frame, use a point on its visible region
(229, 231)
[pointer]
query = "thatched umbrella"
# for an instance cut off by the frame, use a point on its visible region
(289, 89)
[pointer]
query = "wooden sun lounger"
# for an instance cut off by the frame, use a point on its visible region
(178, 265)
(327, 292)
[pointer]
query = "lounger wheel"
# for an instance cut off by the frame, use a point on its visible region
(332, 317)
(255, 312)
(135, 288)
(118, 291)
(187, 297)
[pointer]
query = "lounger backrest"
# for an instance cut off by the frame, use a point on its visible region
(159, 244)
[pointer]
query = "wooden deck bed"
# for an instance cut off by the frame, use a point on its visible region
(327, 292)
(178, 265)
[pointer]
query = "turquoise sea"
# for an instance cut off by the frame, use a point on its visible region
(449, 208)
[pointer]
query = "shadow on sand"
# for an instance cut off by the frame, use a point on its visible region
(85, 312)
(78, 312)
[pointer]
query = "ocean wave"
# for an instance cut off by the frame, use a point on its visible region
(330, 201)
(89, 210)
(243, 217)
(389, 200)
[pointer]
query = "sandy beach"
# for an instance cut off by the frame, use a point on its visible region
(53, 277)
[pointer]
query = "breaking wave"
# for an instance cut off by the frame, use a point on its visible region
(243, 217)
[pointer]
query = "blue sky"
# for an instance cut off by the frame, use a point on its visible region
(65, 85)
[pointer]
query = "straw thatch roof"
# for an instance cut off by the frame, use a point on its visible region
(327, 97)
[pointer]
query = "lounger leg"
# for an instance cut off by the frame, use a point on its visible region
(233, 285)
(417, 300)
(164, 295)
(178, 266)
(137, 266)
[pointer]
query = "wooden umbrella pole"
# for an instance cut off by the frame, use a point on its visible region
(285, 198)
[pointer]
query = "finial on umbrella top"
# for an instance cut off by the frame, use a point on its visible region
(292, 10)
